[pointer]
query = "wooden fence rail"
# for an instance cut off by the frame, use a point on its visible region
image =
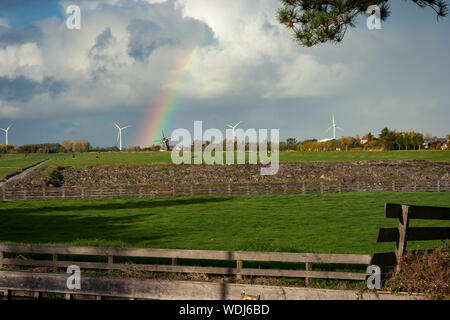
(403, 233)
(239, 257)
(214, 189)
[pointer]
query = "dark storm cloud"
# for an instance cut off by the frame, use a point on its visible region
(22, 89)
(145, 37)
(148, 35)
(103, 40)
(9, 36)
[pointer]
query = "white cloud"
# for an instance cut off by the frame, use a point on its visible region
(256, 55)
(128, 53)
(22, 60)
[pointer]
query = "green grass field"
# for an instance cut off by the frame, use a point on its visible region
(11, 162)
(328, 223)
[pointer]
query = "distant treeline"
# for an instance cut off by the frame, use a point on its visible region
(67, 146)
(386, 140)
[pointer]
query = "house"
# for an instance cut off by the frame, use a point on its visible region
(364, 140)
(435, 143)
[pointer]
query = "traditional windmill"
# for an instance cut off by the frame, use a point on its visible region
(164, 142)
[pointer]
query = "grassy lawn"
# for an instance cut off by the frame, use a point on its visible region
(328, 223)
(12, 162)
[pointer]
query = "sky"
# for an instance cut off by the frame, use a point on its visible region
(162, 64)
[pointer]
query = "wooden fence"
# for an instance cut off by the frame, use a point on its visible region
(57, 254)
(193, 261)
(148, 191)
(404, 233)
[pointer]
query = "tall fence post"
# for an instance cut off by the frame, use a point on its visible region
(229, 189)
(439, 186)
(402, 229)
(303, 187)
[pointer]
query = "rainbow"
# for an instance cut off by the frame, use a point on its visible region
(162, 110)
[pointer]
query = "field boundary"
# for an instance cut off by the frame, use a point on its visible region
(62, 256)
(149, 191)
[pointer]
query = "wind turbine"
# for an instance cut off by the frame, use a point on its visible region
(6, 131)
(119, 134)
(233, 128)
(334, 126)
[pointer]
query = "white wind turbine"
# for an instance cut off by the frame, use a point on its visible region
(119, 134)
(334, 126)
(234, 127)
(6, 131)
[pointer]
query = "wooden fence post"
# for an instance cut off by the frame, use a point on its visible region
(191, 190)
(55, 258)
(402, 229)
(229, 189)
(110, 263)
(8, 294)
(1, 258)
(303, 187)
(3, 194)
(82, 193)
(393, 185)
(439, 186)
(174, 261)
(239, 265)
(308, 267)
(340, 187)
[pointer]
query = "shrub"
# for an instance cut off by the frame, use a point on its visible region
(424, 272)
